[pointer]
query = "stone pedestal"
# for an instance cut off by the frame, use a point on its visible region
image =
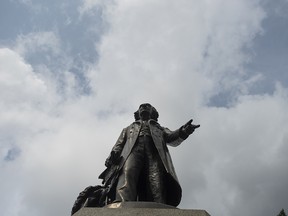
(139, 208)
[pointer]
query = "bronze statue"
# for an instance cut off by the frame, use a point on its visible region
(139, 167)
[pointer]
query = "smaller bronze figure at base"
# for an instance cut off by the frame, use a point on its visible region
(140, 167)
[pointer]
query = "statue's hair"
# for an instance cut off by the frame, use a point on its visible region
(153, 115)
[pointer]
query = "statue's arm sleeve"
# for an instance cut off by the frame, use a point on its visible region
(118, 147)
(116, 150)
(172, 138)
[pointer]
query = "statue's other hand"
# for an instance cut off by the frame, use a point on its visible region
(189, 128)
(108, 162)
(112, 159)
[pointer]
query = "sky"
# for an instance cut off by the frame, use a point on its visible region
(72, 73)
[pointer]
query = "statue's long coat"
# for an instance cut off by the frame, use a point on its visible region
(161, 137)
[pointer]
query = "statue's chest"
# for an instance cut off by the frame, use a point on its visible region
(154, 130)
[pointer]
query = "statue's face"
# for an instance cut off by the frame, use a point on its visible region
(145, 110)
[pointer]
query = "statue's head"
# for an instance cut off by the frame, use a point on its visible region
(146, 111)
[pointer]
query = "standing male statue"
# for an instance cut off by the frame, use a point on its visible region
(139, 167)
(147, 172)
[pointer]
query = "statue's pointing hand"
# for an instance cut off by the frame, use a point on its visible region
(188, 129)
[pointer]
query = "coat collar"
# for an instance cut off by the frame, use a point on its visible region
(151, 121)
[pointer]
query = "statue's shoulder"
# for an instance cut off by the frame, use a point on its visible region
(134, 124)
(154, 123)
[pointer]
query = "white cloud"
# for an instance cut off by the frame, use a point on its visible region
(51, 138)
(52, 62)
(22, 97)
(89, 5)
(18, 82)
(197, 45)
(38, 41)
(244, 148)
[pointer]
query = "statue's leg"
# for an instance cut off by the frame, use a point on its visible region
(128, 180)
(156, 190)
